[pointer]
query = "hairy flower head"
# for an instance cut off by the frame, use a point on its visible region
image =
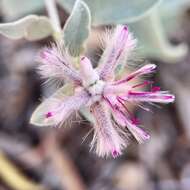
(99, 90)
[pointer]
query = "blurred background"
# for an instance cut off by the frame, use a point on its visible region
(34, 158)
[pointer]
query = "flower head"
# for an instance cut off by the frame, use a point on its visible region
(98, 90)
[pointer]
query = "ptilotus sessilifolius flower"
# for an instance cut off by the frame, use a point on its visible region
(98, 90)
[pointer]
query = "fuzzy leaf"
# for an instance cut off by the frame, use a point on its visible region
(15, 8)
(153, 40)
(38, 116)
(172, 13)
(77, 28)
(31, 27)
(88, 116)
(114, 11)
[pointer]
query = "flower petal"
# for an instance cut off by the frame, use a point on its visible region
(111, 89)
(157, 97)
(116, 52)
(56, 109)
(142, 71)
(123, 120)
(89, 75)
(73, 103)
(139, 134)
(56, 64)
(106, 139)
(37, 117)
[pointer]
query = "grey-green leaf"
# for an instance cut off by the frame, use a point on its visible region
(38, 117)
(31, 27)
(15, 8)
(172, 13)
(77, 28)
(153, 41)
(115, 11)
(88, 116)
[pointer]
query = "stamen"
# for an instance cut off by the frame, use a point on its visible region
(115, 153)
(133, 119)
(48, 114)
(145, 83)
(142, 71)
(159, 97)
(120, 101)
(155, 89)
(139, 134)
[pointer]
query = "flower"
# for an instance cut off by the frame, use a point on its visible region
(100, 92)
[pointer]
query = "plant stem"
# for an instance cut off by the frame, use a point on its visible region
(53, 14)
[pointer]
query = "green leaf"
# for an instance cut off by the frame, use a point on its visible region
(87, 115)
(115, 11)
(31, 27)
(77, 28)
(172, 14)
(153, 41)
(16, 8)
(38, 117)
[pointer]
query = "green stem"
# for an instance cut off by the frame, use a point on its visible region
(54, 17)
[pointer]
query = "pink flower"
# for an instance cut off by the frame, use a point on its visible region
(99, 91)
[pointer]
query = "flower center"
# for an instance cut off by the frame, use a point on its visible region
(96, 90)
